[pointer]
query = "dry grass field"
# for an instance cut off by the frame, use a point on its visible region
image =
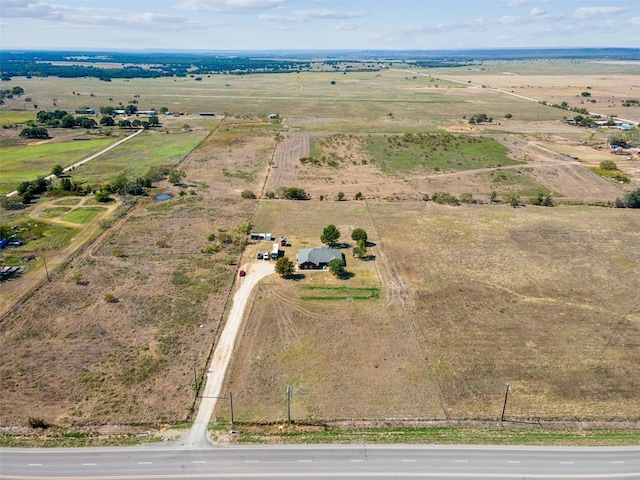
(453, 304)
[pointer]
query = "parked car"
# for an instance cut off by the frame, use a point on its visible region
(242, 273)
(266, 255)
(259, 255)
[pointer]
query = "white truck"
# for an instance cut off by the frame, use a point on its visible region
(275, 251)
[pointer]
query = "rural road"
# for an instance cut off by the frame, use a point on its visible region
(322, 462)
(217, 370)
(88, 159)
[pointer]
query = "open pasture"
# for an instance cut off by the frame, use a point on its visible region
(23, 163)
(474, 298)
(454, 303)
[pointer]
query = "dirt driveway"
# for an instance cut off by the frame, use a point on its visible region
(222, 354)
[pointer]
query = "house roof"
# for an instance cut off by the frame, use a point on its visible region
(318, 255)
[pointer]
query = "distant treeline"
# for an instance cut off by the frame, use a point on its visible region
(182, 64)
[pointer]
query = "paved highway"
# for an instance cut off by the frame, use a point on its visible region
(325, 461)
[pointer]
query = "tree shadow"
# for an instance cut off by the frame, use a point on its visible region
(296, 277)
(346, 275)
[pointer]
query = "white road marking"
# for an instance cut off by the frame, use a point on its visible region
(305, 461)
(461, 461)
(618, 462)
(566, 463)
(144, 463)
(89, 464)
(408, 460)
(199, 461)
(357, 460)
(35, 464)
(252, 461)
(514, 461)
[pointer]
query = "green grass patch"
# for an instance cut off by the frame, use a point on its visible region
(74, 440)
(436, 152)
(13, 117)
(54, 212)
(135, 157)
(83, 215)
(446, 435)
(614, 175)
(515, 181)
(317, 292)
(247, 176)
(68, 201)
(23, 163)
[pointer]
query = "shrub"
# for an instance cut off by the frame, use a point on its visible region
(295, 193)
(445, 198)
(248, 194)
(467, 198)
(608, 165)
(35, 422)
(110, 298)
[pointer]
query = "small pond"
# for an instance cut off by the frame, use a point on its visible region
(163, 196)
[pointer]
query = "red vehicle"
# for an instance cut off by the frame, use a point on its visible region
(242, 273)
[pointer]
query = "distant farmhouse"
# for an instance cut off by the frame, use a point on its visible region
(317, 258)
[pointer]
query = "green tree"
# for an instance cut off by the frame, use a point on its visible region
(65, 184)
(130, 109)
(330, 235)
(67, 121)
(124, 124)
(359, 234)
(107, 121)
(34, 132)
(608, 165)
(360, 250)
(17, 90)
(176, 176)
(57, 170)
(285, 267)
(336, 266)
(295, 193)
(340, 196)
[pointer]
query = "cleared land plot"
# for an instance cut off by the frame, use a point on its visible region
(543, 299)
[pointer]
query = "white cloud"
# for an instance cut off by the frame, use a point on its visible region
(634, 22)
(511, 20)
(346, 26)
(536, 12)
(584, 13)
(516, 3)
(229, 6)
(309, 15)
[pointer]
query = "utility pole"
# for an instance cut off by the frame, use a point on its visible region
(231, 404)
(289, 391)
(504, 407)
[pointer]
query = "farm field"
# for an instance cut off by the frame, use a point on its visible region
(453, 303)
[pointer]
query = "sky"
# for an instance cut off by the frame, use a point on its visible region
(316, 24)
